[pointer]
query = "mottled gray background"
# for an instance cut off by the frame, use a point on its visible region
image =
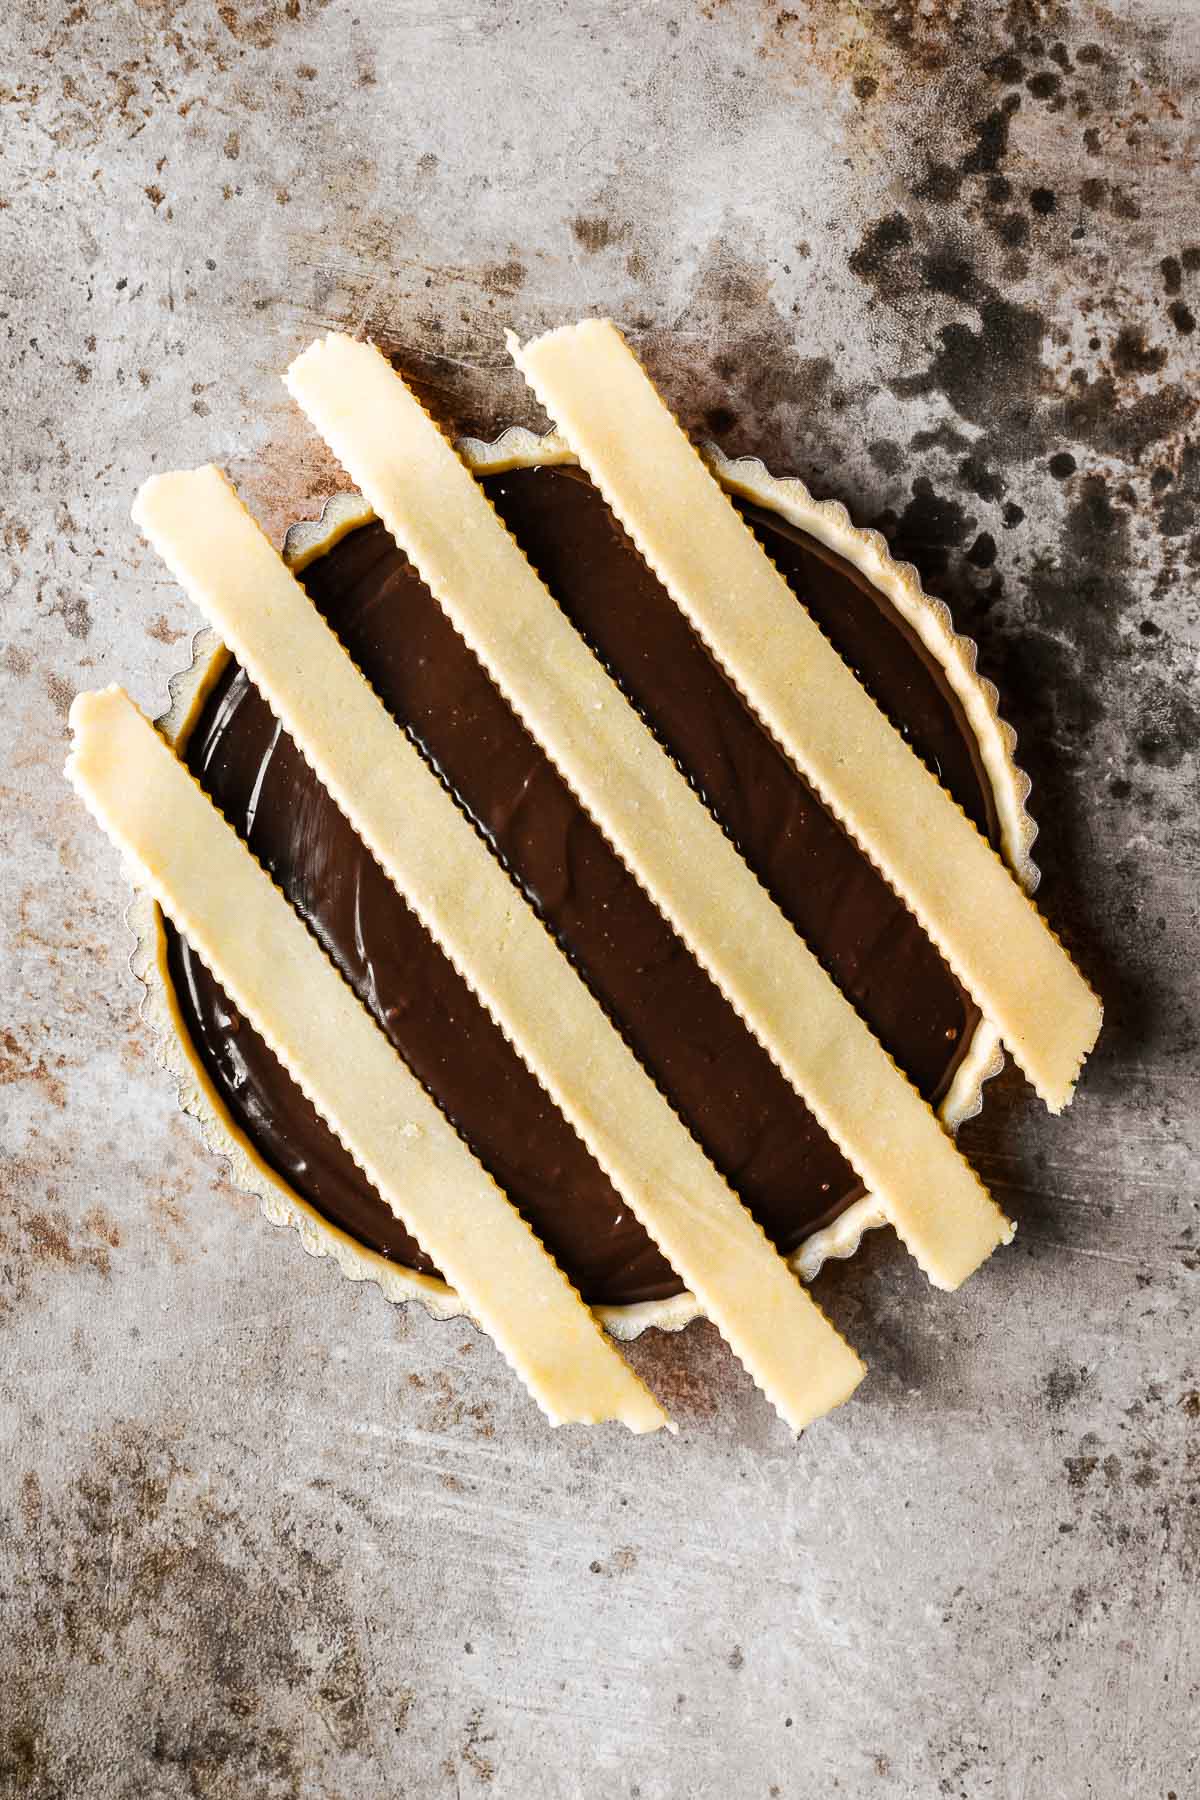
(261, 1534)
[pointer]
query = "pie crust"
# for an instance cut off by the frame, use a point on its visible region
(440, 865)
(826, 521)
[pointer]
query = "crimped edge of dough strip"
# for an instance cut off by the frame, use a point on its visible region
(310, 538)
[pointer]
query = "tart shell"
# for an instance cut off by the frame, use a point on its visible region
(827, 521)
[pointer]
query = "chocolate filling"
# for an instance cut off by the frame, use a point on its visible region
(757, 1132)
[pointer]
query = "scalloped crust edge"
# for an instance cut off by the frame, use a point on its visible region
(830, 523)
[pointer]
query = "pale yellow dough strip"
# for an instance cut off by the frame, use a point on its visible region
(183, 852)
(441, 517)
(448, 876)
(715, 570)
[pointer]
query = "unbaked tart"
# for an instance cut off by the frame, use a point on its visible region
(638, 883)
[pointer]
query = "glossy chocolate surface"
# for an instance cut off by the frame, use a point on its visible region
(740, 1108)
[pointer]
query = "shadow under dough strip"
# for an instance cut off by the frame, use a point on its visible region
(441, 518)
(467, 902)
(204, 878)
(717, 572)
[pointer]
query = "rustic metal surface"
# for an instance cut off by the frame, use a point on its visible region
(262, 1535)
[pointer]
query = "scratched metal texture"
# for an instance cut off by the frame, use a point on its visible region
(261, 1534)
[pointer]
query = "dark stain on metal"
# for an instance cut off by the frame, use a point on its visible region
(929, 528)
(144, 1561)
(594, 232)
(40, 1236)
(504, 279)
(872, 261)
(750, 385)
(1133, 356)
(20, 1061)
(958, 260)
